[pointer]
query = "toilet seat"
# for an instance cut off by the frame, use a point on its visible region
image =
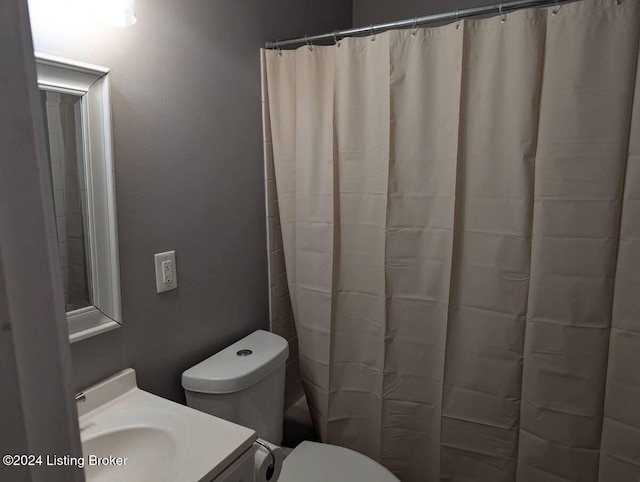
(316, 462)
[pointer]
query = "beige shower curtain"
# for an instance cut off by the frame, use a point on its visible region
(460, 209)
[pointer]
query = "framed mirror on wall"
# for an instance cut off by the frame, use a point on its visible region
(77, 109)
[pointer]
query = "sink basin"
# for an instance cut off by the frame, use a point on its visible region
(159, 458)
(129, 434)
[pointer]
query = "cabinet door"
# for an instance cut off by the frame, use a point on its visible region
(239, 471)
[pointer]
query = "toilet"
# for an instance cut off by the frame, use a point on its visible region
(244, 383)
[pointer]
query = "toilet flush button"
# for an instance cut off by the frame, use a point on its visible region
(244, 353)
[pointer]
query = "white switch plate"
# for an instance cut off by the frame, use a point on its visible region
(166, 271)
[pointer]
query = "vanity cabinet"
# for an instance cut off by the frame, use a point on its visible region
(239, 471)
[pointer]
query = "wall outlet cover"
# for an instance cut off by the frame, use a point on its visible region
(166, 271)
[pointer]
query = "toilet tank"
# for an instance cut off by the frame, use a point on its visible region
(244, 383)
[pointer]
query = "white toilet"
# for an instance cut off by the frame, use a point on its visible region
(244, 383)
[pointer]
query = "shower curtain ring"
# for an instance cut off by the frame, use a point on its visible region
(556, 9)
(309, 45)
(278, 48)
(414, 32)
(503, 16)
(373, 35)
(335, 38)
(457, 19)
(619, 2)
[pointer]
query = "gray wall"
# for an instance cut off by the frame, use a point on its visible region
(189, 172)
(366, 12)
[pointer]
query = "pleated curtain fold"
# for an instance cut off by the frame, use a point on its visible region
(460, 210)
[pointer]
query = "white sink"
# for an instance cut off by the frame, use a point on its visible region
(159, 447)
(129, 434)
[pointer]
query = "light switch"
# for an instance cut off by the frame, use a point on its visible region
(166, 273)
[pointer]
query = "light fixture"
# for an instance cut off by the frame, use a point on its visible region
(117, 13)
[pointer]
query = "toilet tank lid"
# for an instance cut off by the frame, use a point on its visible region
(239, 365)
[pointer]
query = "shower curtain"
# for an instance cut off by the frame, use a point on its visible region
(460, 209)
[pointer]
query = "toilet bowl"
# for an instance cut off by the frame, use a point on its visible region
(244, 383)
(316, 462)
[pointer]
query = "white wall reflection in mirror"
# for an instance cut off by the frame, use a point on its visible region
(76, 103)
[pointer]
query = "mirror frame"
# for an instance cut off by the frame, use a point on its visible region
(91, 83)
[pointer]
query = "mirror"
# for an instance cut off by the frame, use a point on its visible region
(76, 106)
(65, 146)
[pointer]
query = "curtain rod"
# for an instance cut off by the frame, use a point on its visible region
(500, 8)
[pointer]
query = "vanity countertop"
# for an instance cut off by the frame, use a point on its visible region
(161, 439)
